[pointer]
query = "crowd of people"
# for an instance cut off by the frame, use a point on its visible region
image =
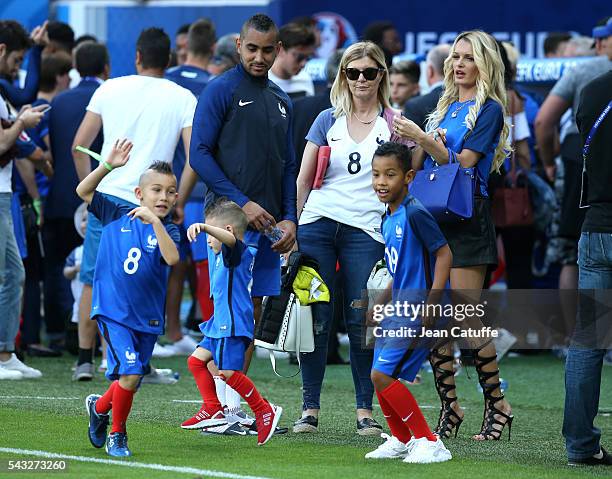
(242, 124)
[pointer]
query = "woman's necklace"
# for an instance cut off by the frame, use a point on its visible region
(365, 122)
(457, 110)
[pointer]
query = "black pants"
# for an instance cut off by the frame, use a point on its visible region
(60, 238)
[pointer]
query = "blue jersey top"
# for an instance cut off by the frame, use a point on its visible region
(482, 139)
(407, 231)
(131, 275)
(231, 279)
(194, 79)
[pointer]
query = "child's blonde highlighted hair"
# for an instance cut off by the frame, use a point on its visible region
(229, 213)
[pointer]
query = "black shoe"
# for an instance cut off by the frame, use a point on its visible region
(368, 427)
(605, 460)
(38, 350)
(306, 424)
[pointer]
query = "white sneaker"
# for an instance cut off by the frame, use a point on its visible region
(183, 347)
(392, 448)
(10, 374)
(14, 364)
(160, 351)
(424, 451)
(240, 417)
(103, 366)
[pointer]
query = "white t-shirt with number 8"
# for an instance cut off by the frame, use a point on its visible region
(346, 194)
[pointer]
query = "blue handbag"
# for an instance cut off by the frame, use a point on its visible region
(446, 191)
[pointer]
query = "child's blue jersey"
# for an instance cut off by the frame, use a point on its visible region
(131, 275)
(407, 231)
(231, 280)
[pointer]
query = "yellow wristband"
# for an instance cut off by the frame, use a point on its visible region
(107, 166)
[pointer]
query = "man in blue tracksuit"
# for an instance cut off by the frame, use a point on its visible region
(241, 146)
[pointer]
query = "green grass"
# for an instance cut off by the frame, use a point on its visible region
(536, 450)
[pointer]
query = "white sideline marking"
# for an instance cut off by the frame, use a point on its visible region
(38, 397)
(128, 463)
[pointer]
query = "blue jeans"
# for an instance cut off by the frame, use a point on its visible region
(330, 242)
(12, 277)
(583, 365)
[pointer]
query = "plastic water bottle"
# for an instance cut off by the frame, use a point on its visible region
(274, 234)
(503, 385)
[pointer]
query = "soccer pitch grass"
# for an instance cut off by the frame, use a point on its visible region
(49, 415)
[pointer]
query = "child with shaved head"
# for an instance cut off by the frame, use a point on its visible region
(228, 334)
(137, 248)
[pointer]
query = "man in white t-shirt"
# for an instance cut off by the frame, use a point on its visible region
(153, 113)
(298, 46)
(14, 42)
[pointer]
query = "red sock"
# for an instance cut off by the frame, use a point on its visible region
(205, 383)
(247, 390)
(405, 406)
(104, 404)
(399, 429)
(122, 404)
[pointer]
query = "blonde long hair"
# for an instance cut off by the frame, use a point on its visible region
(489, 84)
(340, 95)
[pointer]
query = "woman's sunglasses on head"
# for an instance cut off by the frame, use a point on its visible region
(368, 73)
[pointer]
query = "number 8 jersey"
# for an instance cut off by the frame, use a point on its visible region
(131, 275)
(346, 194)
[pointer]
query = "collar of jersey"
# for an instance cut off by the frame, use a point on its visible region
(408, 200)
(261, 81)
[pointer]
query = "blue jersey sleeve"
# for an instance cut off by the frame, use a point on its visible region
(106, 210)
(320, 127)
(487, 128)
(232, 256)
(213, 104)
(21, 96)
(173, 232)
(426, 229)
(25, 147)
(71, 259)
(289, 190)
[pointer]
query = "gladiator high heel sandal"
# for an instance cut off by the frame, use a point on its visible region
(448, 419)
(492, 416)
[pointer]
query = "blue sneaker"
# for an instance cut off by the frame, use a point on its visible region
(117, 446)
(98, 423)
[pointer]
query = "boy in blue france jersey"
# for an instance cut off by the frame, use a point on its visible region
(228, 334)
(137, 248)
(411, 235)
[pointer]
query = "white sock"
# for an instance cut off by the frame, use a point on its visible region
(232, 399)
(220, 388)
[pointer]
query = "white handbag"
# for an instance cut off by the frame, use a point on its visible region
(296, 333)
(379, 280)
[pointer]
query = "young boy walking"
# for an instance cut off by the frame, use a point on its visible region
(228, 334)
(137, 248)
(411, 236)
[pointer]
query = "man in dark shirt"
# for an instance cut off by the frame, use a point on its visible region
(65, 116)
(242, 147)
(418, 108)
(585, 355)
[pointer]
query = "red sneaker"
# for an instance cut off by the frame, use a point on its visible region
(205, 418)
(267, 420)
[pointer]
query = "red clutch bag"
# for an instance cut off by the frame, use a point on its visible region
(322, 163)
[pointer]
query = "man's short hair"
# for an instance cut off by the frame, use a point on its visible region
(201, 37)
(51, 66)
(436, 57)
(154, 47)
(85, 38)
(228, 212)
(62, 34)
(408, 68)
(553, 40)
(260, 22)
(401, 153)
(183, 29)
(293, 35)
(14, 36)
(90, 59)
(375, 31)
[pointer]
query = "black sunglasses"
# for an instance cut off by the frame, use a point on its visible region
(369, 73)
